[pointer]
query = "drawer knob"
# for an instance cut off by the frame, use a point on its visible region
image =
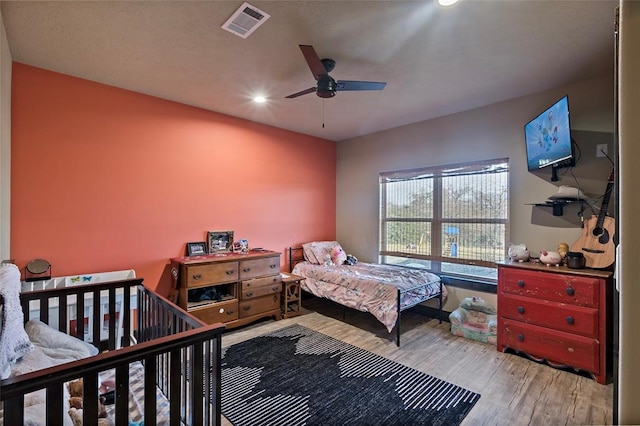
(520, 283)
(197, 276)
(249, 294)
(246, 308)
(274, 288)
(246, 269)
(521, 309)
(521, 337)
(570, 320)
(230, 312)
(272, 266)
(230, 272)
(570, 291)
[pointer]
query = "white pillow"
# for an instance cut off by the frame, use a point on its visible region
(56, 344)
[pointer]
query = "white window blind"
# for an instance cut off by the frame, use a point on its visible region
(450, 219)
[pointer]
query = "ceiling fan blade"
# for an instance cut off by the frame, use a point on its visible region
(303, 92)
(346, 85)
(313, 60)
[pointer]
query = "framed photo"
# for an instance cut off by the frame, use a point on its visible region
(220, 241)
(197, 249)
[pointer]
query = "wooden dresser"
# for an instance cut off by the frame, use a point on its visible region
(232, 288)
(557, 314)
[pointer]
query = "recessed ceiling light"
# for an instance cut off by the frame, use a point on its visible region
(447, 2)
(259, 99)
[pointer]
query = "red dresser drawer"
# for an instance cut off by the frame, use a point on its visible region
(555, 346)
(560, 316)
(564, 288)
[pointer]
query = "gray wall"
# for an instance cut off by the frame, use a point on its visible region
(492, 131)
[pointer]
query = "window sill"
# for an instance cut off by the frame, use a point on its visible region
(470, 284)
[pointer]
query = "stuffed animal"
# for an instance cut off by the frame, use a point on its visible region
(338, 256)
(75, 388)
(351, 260)
(76, 416)
(76, 403)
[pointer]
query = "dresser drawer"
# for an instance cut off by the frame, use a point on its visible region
(217, 312)
(559, 316)
(259, 305)
(556, 347)
(253, 292)
(261, 282)
(258, 267)
(564, 288)
(212, 273)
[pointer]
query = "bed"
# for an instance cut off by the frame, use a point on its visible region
(153, 354)
(385, 291)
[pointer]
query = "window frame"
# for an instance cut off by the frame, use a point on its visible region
(434, 218)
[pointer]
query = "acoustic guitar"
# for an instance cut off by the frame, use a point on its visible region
(596, 242)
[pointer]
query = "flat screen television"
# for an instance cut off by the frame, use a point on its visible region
(548, 139)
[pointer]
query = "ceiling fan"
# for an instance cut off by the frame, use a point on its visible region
(327, 86)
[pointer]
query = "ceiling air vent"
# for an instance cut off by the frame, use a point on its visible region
(245, 20)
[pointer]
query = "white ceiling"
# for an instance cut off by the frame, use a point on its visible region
(436, 61)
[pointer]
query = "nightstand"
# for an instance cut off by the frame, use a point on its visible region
(291, 300)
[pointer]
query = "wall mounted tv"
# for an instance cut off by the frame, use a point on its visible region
(548, 139)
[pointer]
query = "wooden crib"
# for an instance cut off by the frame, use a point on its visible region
(180, 356)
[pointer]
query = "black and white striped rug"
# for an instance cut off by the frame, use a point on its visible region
(296, 376)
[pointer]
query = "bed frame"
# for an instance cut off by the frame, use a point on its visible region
(180, 355)
(296, 255)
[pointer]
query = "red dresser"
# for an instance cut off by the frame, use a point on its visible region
(556, 314)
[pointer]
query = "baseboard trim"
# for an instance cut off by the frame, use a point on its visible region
(432, 312)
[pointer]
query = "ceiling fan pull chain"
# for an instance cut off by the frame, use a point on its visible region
(323, 113)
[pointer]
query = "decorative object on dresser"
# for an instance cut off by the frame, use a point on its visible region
(297, 376)
(232, 288)
(518, 252)
(560, 315)
(220, 241)
(550, 258)
(241, 246)
(197, 249)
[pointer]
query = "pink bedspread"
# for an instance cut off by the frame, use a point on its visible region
(370, 287)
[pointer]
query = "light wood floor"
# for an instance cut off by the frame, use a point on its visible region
(514, 390)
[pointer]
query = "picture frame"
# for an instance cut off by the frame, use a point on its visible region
(220, 241)
(197, 249)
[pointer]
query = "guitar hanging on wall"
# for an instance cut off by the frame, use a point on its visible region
(596, 242)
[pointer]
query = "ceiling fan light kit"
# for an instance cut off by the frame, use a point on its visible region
(326, 86)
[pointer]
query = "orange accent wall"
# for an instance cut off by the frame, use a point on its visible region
(105, 179)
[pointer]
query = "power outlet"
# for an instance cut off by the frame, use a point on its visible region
(602, 150)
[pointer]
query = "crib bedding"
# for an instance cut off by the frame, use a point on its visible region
(35, 406)
(50, 347)
(137, 396)
(370, 287)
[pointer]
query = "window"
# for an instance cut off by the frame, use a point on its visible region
(452, 220)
